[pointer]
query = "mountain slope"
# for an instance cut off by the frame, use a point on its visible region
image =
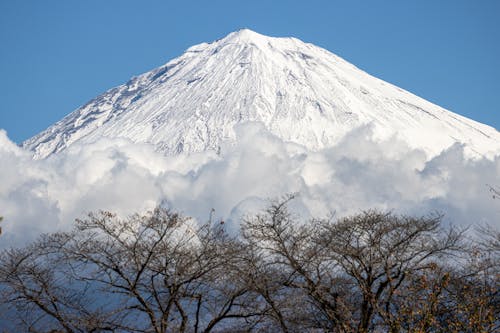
(302, 93)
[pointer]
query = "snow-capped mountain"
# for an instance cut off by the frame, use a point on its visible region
(300, 92)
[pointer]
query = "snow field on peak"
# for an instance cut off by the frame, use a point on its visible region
(300, 92)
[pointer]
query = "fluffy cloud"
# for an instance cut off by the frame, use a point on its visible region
(358, 173)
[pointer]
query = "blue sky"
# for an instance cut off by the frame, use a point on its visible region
(57, 55)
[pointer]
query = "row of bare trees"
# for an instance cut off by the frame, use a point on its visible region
(160, 272)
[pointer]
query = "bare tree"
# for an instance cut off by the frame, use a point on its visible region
(308, 276)
(351, 270)
(463, 297)
(156, 273)
(172, 273)
(161, 272)
(41, 296)
(379, 251)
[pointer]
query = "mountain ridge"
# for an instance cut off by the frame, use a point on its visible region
(300, 92)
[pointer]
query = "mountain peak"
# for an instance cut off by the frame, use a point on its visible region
(245, 35)
(300, 92)
(249, 37)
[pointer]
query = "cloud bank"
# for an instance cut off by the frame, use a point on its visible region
(358, 173)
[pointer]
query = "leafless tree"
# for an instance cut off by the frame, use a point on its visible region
(161, 272)
(350, 270)
(463, 297)
(42, 296)
(306, 275)
(157, 272)
(379, 251)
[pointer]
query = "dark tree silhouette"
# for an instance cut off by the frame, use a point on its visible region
(162, 272)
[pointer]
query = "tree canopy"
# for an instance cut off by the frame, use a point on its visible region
(162, 272)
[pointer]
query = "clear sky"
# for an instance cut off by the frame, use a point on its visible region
(57, 55)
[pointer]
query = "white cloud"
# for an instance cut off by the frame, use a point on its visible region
(358, 173)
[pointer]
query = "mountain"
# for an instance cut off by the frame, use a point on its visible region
(300, 92)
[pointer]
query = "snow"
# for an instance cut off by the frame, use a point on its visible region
(302, 93)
